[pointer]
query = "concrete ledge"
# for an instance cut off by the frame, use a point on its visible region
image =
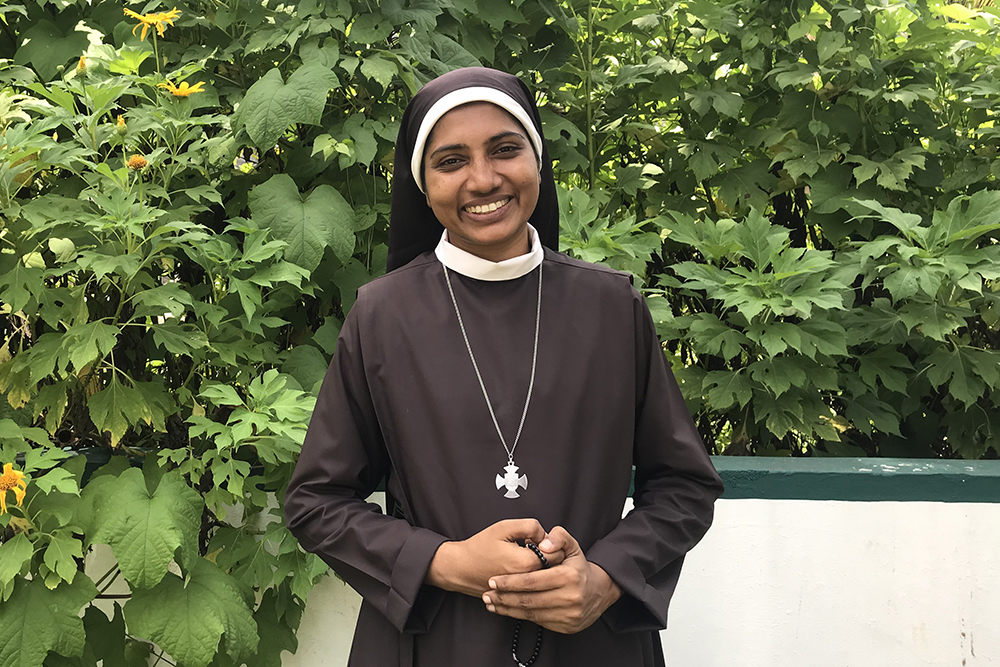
(859, 479)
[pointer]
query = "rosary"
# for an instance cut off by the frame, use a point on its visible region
(517, 626)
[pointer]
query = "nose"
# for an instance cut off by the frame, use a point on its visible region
(483, 176)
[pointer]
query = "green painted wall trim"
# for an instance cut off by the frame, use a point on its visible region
(859, 479)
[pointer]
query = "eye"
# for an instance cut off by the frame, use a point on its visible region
(508, 149)
(448, 162)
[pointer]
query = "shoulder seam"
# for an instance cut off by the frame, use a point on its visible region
(587, 266)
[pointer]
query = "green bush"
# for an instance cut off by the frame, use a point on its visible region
(806, 192)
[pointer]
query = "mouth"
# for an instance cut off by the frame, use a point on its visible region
(488, 208)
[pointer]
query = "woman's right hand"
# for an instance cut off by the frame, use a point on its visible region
(466, 566)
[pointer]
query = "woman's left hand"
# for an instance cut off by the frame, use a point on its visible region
(566, 598)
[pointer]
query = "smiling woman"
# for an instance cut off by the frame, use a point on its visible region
(481, 177)
(504, 391)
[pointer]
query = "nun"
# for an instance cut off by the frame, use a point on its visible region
(503, 392)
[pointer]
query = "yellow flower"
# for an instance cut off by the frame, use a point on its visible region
(183, 90)
(11, 480)
(81, 65)
(121, 121)
(137, 162)
(120, 128)
(155, 20)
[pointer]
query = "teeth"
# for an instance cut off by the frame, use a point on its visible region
(489, 208)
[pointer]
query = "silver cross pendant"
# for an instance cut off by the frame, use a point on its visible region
(511, 480)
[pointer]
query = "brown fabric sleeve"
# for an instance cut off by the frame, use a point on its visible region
(343, 459)
(675, 489)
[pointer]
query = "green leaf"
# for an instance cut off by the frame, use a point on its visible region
(221, 394)
(128, 61)
(90, 342)
(116, 408)
(776, 337)
(760, 239)
(60, 554)
(362, 133)
(60, 480)
(46, 47)
(106, 638)
(170, 298)
(823, 337)
(885, 364)
(188, 617)
(307, 365)
(63, 249)
(180, 339)
(867, 412)
(727, 103)
(908, 223)
(961, 368)
(275, 634)
(779, 374)
(933, 319)
(379, 69)
(36, 620)
(146, 529)
(828, 44)
(14, 554)
(709, 335)
(18, 285)
(726, 388)
(307, 224)
(370, 28)
(271, 105)
(326, 336)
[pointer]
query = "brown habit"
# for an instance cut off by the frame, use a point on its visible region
(401, 401)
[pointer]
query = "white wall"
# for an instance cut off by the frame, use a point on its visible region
(800, 583)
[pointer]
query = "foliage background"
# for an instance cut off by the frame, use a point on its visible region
(806, 192)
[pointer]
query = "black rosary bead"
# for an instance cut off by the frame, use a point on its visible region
(517, 626)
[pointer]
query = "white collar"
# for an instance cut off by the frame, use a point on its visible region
(473, 266)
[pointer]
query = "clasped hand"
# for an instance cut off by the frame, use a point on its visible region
(567, 597)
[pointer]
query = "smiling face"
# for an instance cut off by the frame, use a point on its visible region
(482, 180)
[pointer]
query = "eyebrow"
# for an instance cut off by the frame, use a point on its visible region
(495, 137)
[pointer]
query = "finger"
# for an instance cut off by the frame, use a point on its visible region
(554, 557)
(549, 619)
(520, 529)
(559, 539)
(542, 580)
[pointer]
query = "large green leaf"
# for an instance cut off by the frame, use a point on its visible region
(275, 634)
(116, 408)
(46, 47)
(966, 370)
(886, 365)
(307, 224)
(188, 617)
(36, 620)
(14, 554)
(271, 104)
(145, 529)
(106, 637)
(86, 343)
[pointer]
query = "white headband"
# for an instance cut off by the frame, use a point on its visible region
(457, 98)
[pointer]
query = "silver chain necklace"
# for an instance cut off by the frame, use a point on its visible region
(510, 479)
